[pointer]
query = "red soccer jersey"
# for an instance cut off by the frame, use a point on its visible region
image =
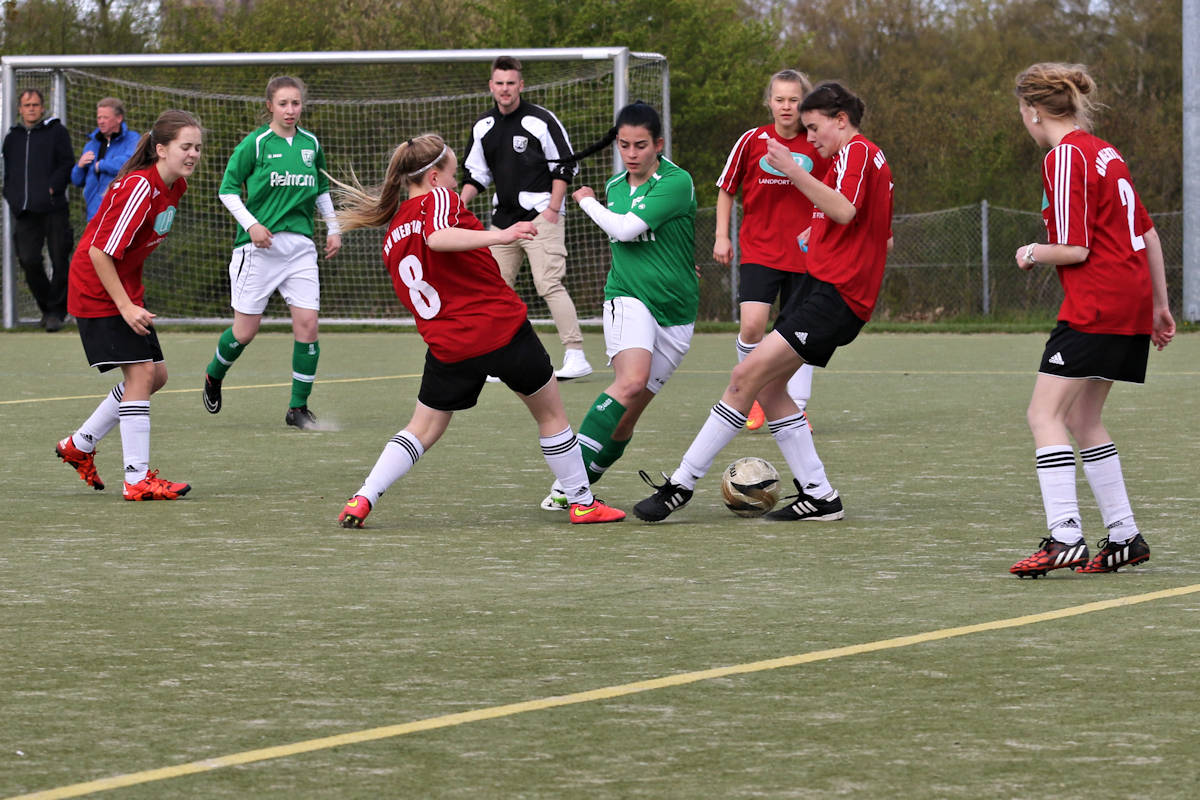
(774, 211)
(134, 217)
(462, 307)
(852, 256)
(1090, 202)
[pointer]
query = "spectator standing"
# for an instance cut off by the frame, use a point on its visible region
(521, 147)
(106, 151)
(37, 166)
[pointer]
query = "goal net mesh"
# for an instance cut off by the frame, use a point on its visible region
(359, 112)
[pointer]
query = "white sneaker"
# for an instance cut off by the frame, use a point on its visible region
(575, 365)
(556, 500)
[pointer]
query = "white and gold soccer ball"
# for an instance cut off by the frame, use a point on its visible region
(750, 486)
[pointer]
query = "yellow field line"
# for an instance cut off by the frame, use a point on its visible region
(606, 693)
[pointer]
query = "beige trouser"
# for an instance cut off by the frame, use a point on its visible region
(547, 254)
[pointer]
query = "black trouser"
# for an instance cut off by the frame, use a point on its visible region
(53, 228)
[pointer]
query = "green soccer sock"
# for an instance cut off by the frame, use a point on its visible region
(595, 436)
(305, 356)
(228, 350)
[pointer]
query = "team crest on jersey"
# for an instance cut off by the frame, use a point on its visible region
(804, 161)
(162, 223)
(308, 157)
(520, 143)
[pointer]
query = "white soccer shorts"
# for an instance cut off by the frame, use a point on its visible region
(629, 324)
(289, 265)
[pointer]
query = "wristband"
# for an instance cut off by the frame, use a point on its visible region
(1028, 256)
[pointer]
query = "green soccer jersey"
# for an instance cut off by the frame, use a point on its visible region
(659, 266)
(282, 180)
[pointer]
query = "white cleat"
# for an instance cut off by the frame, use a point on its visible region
(575, 365)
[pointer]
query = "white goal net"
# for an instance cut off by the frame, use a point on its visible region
(360, 105)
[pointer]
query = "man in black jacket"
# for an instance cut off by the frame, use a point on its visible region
(37, 166)
(519, 146)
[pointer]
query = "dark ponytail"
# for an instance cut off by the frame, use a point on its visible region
(831, 98)
(637, 114)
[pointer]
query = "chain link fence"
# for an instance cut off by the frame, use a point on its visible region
(953, 263)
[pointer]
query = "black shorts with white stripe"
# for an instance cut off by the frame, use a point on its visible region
(1109, 356)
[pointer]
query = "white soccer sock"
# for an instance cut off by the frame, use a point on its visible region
(722, 425)
(1056, 476)
(744, 349)
(135, 438)
(1102, 466)
(565, 458)
(101, 422)
(398, 457)
(795, 441)
(799, 386)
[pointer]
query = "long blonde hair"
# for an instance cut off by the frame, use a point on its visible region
(360, 207)
(1060, 90)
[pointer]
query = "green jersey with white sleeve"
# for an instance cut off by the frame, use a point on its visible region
(281, 178)
(659, 266)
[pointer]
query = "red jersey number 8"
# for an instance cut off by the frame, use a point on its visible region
(425, 300)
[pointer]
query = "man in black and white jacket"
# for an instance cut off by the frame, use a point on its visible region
(517, 145)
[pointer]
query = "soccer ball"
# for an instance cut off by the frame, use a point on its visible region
(750, 487)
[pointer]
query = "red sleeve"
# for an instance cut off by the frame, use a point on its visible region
(735, 165)
(442, 208)
(852, 168)
(123, 210)
(1065, 178)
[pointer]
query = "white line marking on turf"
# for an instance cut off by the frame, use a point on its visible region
(606, 693)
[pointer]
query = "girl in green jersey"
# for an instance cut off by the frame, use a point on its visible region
(281, 169)
(653, 289)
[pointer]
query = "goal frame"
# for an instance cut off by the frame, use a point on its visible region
(55, 64)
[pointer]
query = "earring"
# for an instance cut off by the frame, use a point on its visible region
(1036, 119)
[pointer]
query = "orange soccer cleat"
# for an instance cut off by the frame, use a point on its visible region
(354, 514)
(596, 512)
(153, 487)
(84, 463)
(756, 418)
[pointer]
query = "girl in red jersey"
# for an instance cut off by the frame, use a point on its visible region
(847, 248)
(773, 214)
(105, 294)
(1110, 263)
(437, 254)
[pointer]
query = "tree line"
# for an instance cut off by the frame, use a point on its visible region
(936, 75)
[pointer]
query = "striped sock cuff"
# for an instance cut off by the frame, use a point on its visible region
(729, 415)
(409, 443)
(1055, 457)
(788, 423)
(559, 443)
(1098, 453)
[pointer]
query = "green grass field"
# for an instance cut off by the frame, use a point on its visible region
(139, 637)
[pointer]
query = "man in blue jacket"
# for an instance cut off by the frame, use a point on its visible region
(107, 149)
(37, 164)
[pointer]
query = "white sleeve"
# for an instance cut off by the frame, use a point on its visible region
(234, 203)
(325, 206)
(622, 227)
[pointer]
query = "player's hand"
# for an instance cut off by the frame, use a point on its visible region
(802, 239)
(583, 192)
(260, 235)
(88, 157)
(550, 215)
(333, 243)
(519, 230)
(138, 319)
(1164, 328)
(723, 250)
(1021, 262)
(779, 157)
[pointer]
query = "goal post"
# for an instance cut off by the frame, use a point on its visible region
(360, 105)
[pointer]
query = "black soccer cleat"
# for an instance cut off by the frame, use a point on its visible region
(1113, 556)
(667, 498)
(212, 394)
(300, 417)
(1052, 555)
(807, 507)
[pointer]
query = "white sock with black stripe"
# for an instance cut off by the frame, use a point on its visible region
(398, 457)
(1056, 476)
(102, 421)
(795, 441)
(564, 456)
(744, 349)
(1102, 467)
(135, 438)
(723, 423)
